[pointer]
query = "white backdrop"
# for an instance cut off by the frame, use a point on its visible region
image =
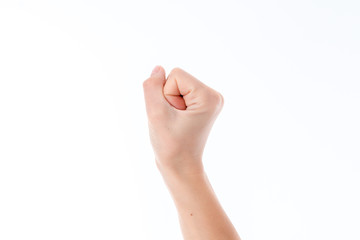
(75, 157)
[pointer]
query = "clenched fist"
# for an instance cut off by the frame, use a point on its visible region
(181, 111)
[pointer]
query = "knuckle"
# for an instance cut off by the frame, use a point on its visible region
(221, 99)
(147, 82)
(176, 71)
(216, 99)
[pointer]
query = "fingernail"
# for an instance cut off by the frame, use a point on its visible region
(155, 70)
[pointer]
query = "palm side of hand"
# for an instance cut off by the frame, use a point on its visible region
(181, 111)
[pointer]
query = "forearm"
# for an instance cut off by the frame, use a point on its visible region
(181, 111)
(200, 213)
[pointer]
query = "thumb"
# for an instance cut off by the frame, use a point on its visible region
(153, 91)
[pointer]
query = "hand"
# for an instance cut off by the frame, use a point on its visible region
(181, 111)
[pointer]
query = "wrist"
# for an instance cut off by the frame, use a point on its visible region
(184, 183)
(180, 171)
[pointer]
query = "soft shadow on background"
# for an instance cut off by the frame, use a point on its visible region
(283, 156)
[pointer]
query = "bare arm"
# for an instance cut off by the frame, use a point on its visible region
(200, 213)
(181, 111)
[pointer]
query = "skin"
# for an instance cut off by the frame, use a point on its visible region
(181, 111)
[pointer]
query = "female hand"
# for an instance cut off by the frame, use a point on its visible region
(181, 111)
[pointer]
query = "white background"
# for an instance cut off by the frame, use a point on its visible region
(75, 157)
